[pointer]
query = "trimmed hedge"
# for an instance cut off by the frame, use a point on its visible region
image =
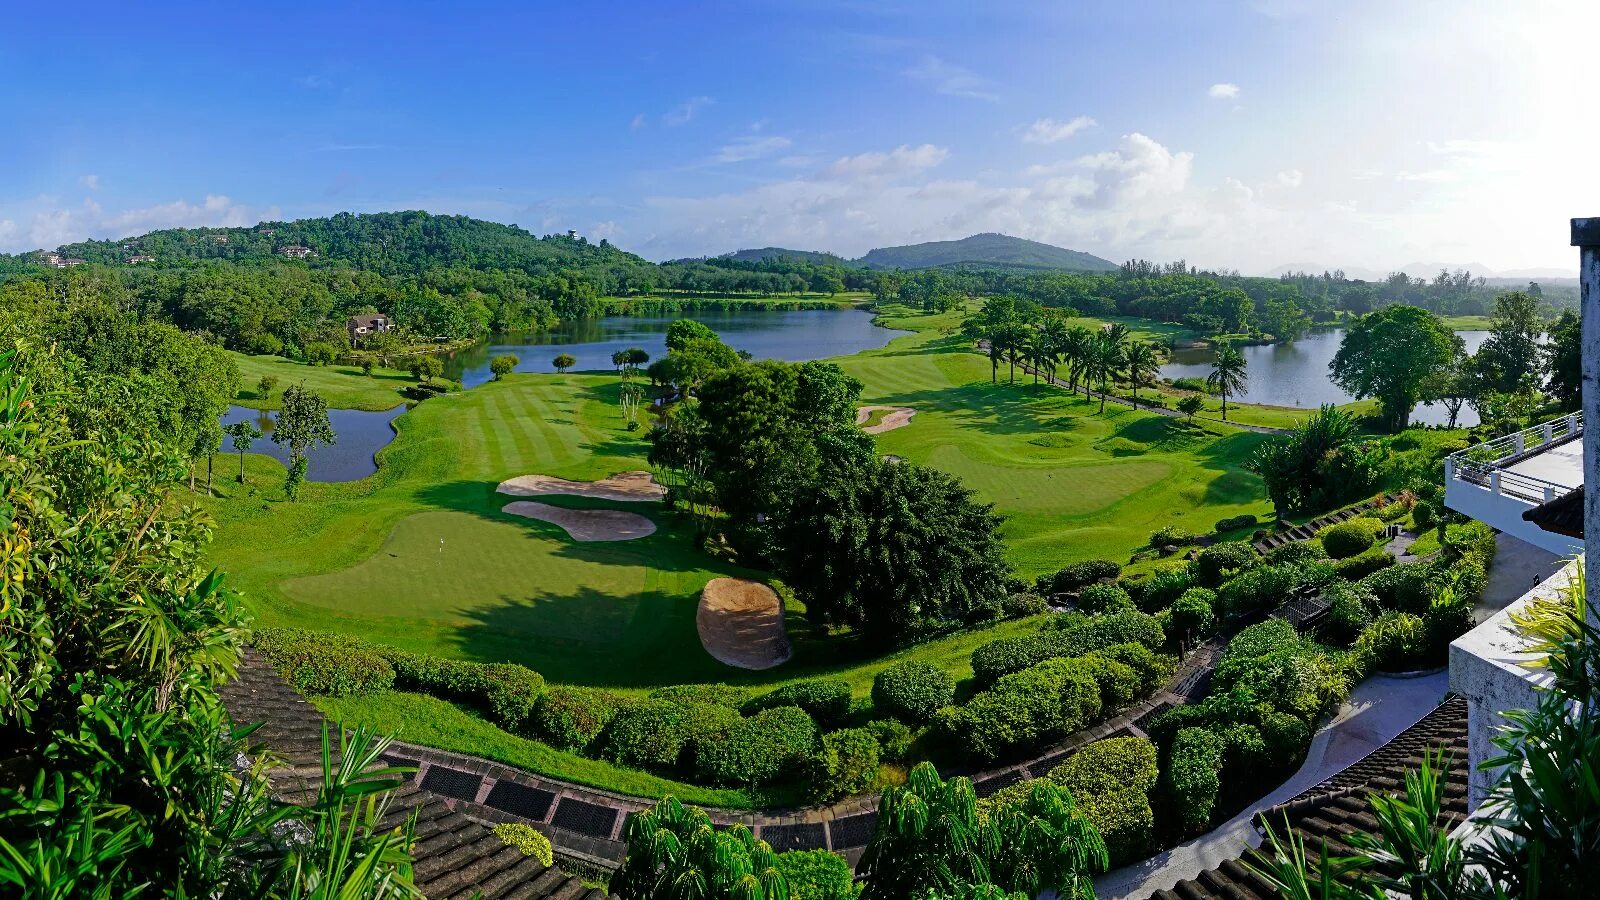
(1296, 553)
(759, 749)
(572, 718)
(1193, 614)
(1192, 776)
(1216, 561)
(894, 739)
(1104, 598)
(1111, 780)
(816, 875)
(660, 734)
(1361, 565)
(1023, 709)
(1350, 537)
(1161, 589)
(1400, 587)
(912, 690)
(1349, 611)
(325, 663)
(1253, 643)
(1263, 587)
(718, 694)
(1152, 668)
(1020, 605)
(846, 763)
(1243, 520)
(998, 658)
(1118, 682)
(826, 701)
(1076, 575)
(1172, 536)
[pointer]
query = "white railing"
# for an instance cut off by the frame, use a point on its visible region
(1488, 464)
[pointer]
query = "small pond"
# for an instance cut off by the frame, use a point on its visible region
(790, 335)
(1296, 374)
(361, 435)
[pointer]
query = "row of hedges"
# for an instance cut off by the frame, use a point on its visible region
(1064, 636)
(1110, 782)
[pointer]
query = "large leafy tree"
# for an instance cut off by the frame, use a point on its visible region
(301, 425)
(1564, 360)
(1510, 357)
(932, 839)
(675, 853)
(1390, 354)
(1318, 465)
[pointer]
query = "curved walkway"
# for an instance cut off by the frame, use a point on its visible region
(1378, 709)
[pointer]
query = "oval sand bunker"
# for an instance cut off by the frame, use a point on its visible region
(624, 486)
(741, 624)
(894, 417)
(586, 524)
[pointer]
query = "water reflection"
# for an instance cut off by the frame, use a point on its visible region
(360, 434)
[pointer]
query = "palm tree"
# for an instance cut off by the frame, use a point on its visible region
(1227, 375)
(1074, 349)
(1105, 360)
(1119, 335)
(1014, 338)
(1142, 362)
(1037, 351)
(1054, 331)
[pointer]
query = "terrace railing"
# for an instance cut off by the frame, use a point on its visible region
(1488, 464)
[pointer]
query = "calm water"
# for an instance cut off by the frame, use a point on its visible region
(361, 435)
(1296, 374)
(791, 335)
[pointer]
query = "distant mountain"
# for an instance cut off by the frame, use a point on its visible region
(818, 257)
(985, 250)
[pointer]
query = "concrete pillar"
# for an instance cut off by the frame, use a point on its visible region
(1586, 237)
(1519, 442)
(1549, 429)
(1494, 482)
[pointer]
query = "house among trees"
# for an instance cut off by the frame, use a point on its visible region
(141, 258)
(363, 327)
(58, 261)
(296, 251)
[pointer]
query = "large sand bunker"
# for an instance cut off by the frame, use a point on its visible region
(624, 486)
(741, 624)
(895, 417)
(586, 524)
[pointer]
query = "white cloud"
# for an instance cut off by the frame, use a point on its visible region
(683, 112)
(952, 80)
(752, 146)
(638, 122)
(1292, 178)
(312, 82)
(1431, 176)
(1223, 91)
(1050, 131)
(1142, 167)
(92, 182)
(902, 160)
(51, 226)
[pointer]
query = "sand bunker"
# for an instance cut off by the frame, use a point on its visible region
(741, 624)
(625, 486)
(586, 524)
(896, 417)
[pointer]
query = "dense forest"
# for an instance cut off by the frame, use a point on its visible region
(278, 286)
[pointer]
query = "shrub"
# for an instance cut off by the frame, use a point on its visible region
(507, 692)
(1243, 520)
(1448, 616)
(1361, 565)
(1216, 561)
(1104, 598)
(1125, 821)
(1349, 612)
(1296, 553)
(1005, 656)
(894, 738)
(1118, 682)
(572, 718)
(659, 734)
(1259, 640)
(816, 875)
(525, 838)
(1112, 764)
(1423, 516)
(1192, 776)
(912, 690)
(320, 353)
(1244, 752)
(510, 692)
(846, 763)
(1162, 587)
(827, 701)
(1021, 605)
(1152, 668)
(1395, 641)
(716, 694)
(1078, 574)
(759, 749)
(1193, 614)
(325, 663)
(1399, 587)
(1172, 536)
(1053, 698)
(1262, 587)
(1350, 537)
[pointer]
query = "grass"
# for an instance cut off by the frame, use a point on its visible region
(1073, 483)
(1465, 323)
(343, 386)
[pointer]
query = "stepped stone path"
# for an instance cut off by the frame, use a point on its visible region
(1309, 530)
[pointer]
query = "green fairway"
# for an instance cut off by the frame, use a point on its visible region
(343, 386)
(1073, 483)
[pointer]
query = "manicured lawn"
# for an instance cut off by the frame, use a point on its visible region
(1074, 483)
(344, 387)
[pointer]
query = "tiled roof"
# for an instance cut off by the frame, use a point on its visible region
(455, 855)
(1563, 515)
(1337, 808)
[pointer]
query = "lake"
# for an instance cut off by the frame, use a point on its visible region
(790, 335)
(361, 435)
(1296, 374)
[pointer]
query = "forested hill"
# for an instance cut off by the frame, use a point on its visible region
(391, 243)
(817, 257)
(985, 250)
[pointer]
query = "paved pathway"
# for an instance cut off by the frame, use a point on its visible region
(1518, 567)
(1378, 709)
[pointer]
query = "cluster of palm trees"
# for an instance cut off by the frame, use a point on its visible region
(1088, 357)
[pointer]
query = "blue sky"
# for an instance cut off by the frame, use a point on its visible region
(1243, 135)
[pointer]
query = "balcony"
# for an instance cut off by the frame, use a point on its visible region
(1497, 481)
